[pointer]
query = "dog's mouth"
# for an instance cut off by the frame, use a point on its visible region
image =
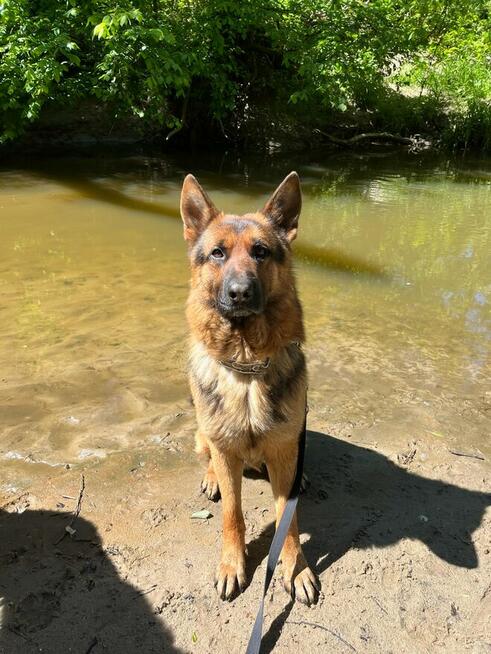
(237, 313)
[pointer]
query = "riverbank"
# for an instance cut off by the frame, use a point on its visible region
(398, 533)
(92, 125)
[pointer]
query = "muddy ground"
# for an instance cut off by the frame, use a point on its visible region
(399, 536)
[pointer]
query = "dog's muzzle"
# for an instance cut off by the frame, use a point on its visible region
(240, 296)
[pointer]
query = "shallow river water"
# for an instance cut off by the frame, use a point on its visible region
(394, 271)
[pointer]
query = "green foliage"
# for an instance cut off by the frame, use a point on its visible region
(453, 73)
(172, 62)
(34, 57)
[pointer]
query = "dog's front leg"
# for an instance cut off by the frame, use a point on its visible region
(230, 575)
(298, 578)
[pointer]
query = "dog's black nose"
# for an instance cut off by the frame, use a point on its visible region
(240, 295)
(240, 291)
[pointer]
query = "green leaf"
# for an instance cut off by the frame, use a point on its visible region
(156, 34)
(100, 30)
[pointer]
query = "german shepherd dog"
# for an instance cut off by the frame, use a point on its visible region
(246, 367)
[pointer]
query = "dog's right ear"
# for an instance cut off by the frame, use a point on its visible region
(283, 207)
(197, 210)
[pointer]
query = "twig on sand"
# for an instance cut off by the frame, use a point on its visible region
(139, 593)
(470, 455)
(92, 644)
(319, 626)
(378, 604)
(79, 501)
(485, 592)
(69, 527)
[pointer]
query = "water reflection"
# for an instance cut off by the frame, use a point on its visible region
(393, 265)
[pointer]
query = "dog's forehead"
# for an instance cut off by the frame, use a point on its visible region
(239, 224)
(230, 228)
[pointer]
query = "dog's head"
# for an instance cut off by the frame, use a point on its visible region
(240, 263)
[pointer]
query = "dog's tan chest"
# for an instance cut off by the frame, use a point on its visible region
(232, 408)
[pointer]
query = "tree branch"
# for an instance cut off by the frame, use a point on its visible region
(183, 116)
(367, 136)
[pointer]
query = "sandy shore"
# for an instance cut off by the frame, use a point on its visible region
(399, 537)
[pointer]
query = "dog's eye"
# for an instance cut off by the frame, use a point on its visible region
(260, 252)
(217, 253)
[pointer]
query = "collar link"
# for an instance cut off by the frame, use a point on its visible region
(252, 367)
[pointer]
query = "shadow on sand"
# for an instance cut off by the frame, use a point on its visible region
(67, 596)
(359, 498)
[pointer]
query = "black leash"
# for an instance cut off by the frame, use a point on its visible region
(279, 538)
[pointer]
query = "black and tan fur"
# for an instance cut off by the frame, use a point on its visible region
(247, 420)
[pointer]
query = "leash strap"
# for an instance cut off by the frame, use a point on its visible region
(254, 645)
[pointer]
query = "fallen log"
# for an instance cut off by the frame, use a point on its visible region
(367, 136)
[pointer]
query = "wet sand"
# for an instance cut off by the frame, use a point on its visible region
(93, 347)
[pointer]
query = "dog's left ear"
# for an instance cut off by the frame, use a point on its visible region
(284, 206)
(197, 210)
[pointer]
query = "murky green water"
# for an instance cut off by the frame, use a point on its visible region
(394, 268)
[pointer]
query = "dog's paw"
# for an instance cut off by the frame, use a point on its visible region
(230, 578)
(303, 586)
(209, 486)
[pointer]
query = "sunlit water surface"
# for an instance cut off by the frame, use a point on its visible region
(394, 270)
